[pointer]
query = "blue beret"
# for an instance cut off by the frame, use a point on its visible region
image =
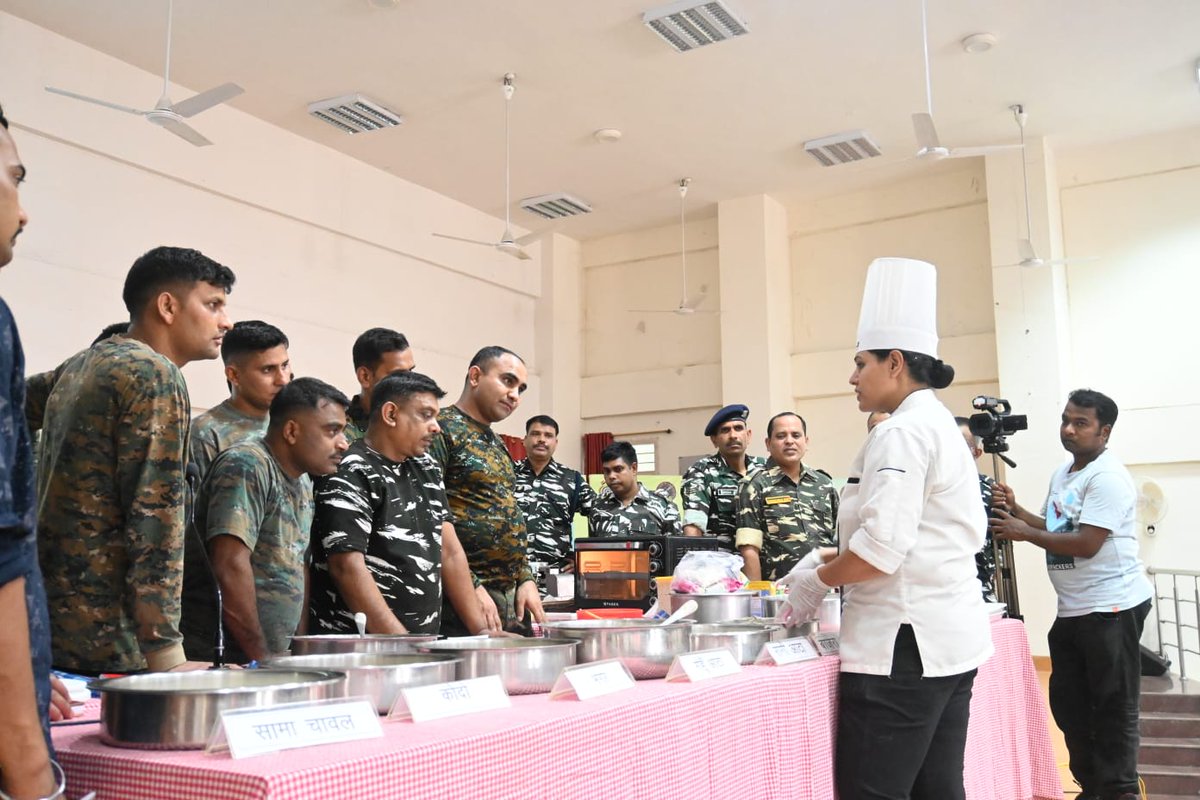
(735, 411)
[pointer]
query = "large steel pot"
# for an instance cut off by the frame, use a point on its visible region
(765, 609)
(646, 647)
(527, 666)
(177, 710)
(716, 607)
(353, 643)
(744, 640)
(379, 676)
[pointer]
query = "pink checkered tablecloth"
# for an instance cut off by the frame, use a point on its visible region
(766, 733)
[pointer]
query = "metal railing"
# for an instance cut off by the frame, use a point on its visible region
(1176, 602)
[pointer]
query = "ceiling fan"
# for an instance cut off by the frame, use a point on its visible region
(507, 244)
(1029, 256)
(166, 114)
(930, 147)
(687, 304)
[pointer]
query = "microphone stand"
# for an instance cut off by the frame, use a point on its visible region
(193, 480)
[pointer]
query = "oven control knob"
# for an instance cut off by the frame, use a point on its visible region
(655, 549)
(655, 568)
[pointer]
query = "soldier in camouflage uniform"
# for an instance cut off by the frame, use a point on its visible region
(382, 543)
(785, 510)
(257, 366)
(481, 488)
(39, 386)
(985, 559)
(710, 486)
(377, 353)
(111, 474)
(549, 494)
(254, 510)
(624, 507)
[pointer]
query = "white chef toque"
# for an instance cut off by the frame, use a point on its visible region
(899, 307)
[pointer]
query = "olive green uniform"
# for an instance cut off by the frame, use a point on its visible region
(549, 501)
(356, 420)
(710, 490)
(648, 514)
(248, 496)
(219, 428)
(111, 508)
(784, 519)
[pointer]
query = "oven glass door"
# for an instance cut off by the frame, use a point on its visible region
(613, 575)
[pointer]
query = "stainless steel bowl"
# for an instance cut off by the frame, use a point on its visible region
(379, 676)
(717, 607)
(767, 607)
(353, 643)
(177, 710)
(644, 646)
(744, 640)
(527, 666)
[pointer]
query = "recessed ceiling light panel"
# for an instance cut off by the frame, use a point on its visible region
(355, 113)
(690, 24)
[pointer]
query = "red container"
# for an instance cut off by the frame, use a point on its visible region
(609, 613)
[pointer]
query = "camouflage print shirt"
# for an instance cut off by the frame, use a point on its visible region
(649, 514)
(17, 497)
(356, 420)
(217, 429)
(985, 559)
(391, 512)
(710, 491)
(549, 501)
(37, 392)
(111, 508)
(481, 488)
(785, 520)
(248, 496)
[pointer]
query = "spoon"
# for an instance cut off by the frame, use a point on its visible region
(360, 619)
(683, 611)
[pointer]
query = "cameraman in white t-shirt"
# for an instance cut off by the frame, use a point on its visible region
(1087, 530)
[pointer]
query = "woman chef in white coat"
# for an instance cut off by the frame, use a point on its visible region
(914, 627)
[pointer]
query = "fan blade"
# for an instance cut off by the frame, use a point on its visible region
(185, 131)
(528, 238)
(983, 150)
(205, 100)
(510, 248)
(1025, 250)
(694, 302)
(104, 103)
(927, 137)
(461, 239)
(1067, 261)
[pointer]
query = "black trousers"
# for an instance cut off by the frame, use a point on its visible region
(901, 737)
(1095, 687)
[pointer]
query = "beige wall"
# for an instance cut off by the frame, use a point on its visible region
(323, 245)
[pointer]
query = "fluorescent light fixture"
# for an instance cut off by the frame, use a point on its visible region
(354, 113)
(690, 24)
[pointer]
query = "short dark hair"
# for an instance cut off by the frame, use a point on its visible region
(164, 267)
(771, 422)
(400, 386)
(372, 345)
(111, 331)
(484, 358)
(542, 419)
(303, 394)
(3, 119)
(1105, 406)
(251, 336)
(923, 369)
(619, 450)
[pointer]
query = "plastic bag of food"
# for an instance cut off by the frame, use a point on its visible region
(707, 572)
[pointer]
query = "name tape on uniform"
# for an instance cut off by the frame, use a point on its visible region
(827, 644)
(586, 681)
(702, 665)
(255, 731)
(787, 651)
(440, 700)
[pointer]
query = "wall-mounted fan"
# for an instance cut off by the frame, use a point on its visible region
(166, 114)
(1151, 505)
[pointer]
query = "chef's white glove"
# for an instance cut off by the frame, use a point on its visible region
(812, 560)
(806, 593)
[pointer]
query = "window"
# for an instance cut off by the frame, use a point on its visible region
(647, 457)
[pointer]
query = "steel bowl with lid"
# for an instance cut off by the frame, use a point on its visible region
(526, 666)
(744, 640)
(716, 607)
(379, 676)
(354, 643)
(178, 710)
(646, 647)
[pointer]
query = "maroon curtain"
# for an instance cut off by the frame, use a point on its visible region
(593, 446)
(515, 445)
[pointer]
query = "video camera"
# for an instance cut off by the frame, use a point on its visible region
(995, 422)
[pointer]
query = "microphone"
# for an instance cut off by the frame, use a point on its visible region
(192, 477)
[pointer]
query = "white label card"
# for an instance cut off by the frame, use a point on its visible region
(703, 664)
(255, 731)
(440, 700)
(586, 681)
(787, 651)
(827, 644)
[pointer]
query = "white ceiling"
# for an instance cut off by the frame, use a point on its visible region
(733, 116)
